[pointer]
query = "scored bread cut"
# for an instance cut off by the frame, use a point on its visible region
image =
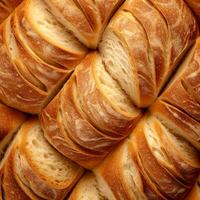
(43, 165)
(85, 19)
(182, 161)
(18, 93)
(131, 65)
(57, 135)
(13, 52)
(77, 125)
(87, 189)
(48, 37)
(121, 174)
(103, 100)
(10, 122)
(179, 19)
(159, 41)
(10, 187)
(177, 121)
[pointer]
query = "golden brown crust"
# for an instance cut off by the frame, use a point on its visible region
(4, 11)
(159, 40)
(86, 19)
(130, 32)
(55, 133)
(182, 25)
(177, 121)
(167, 184)
(79, 129)
(11, 189)
(10, 120)
(65, 57)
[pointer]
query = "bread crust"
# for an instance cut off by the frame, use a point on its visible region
(11, 189)
(49, 50)
(85, 19)
(94, 102)
(177, 121)
(79, 129)
(167, 184)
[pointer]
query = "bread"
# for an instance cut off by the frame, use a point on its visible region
(10, 122)
(57, 135)
(195, 193)
(41, 71)
(116, 87)
(5, 11)
(194, 5)
(85, 19)
(40, 27)
(9, 186)
(92, 103)
(150, 61)
(160, 159)
(46, 172)
(144, 166)
(11, 189)
(46, 74)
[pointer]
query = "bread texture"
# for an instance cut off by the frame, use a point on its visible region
(11, 120)
(110, 86)
(40, 167)
(195, 193)
(6, 7)
(91, 103)
(194, 5)
(85, 19)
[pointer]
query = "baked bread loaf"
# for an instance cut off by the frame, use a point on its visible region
(100, 75)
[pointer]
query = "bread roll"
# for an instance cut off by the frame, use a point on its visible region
(91, 112)
(139, 56)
